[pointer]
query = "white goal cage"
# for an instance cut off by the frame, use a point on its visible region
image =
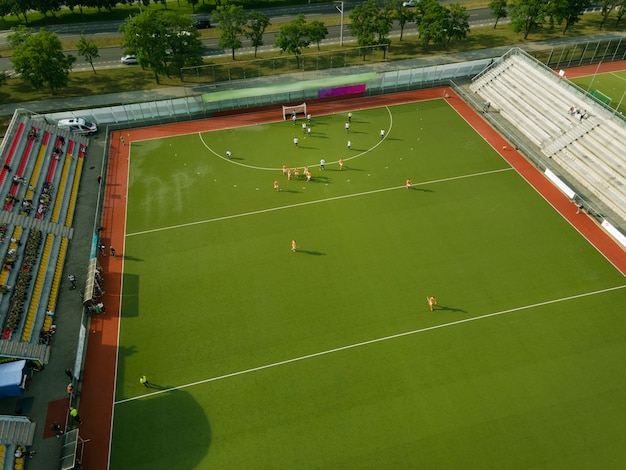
(288, 111)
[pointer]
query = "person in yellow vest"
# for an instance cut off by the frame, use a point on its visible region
(143, 380)
(74, 415)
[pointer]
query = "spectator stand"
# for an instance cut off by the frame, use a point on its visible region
(50, 181)
(580, 138)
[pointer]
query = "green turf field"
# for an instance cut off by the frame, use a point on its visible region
(328, 358)
(612, 84)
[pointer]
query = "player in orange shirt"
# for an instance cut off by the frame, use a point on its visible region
(293, 246)
(296, 172)
(432, 301)
(289, 174)
(284, 169)
(276, 185)
(308, 176)
(341, 163)
(408, 184)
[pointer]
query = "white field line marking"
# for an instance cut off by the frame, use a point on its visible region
(371, 341)
(253, 167)
(317, 201)
(617, 76)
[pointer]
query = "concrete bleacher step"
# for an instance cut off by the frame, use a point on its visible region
(552, 146)
(13, 218)
(22, 350)
(17, 430)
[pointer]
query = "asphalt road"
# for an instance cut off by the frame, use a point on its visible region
(110, 57)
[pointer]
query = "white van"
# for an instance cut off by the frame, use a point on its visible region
(78, 126)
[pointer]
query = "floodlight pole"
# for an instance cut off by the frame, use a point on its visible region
(620, 103)
(340, 10)
(594, 75)
(139, 5)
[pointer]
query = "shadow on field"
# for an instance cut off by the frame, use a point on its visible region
(130, 302)
(129, 258)
(449, 309)
(321, 179)
(310, 252)
(169, 430)
(415, 188)
(347, 168)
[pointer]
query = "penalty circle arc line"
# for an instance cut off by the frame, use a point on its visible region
(262, 168)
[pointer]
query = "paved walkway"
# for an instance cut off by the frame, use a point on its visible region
(97, 101)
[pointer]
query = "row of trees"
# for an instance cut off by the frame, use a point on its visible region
(531, 15)
(436, 23)
(292, 38)
(46, 7)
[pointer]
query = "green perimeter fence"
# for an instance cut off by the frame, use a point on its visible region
(285, 64)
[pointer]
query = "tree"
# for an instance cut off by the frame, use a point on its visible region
(88, 50)
(404, 15)
(257, 24)
(193, 4)
(607, 7)
(163, 41)
(363, 24)
(3, 77)
(568, 11)
(498, 10)
(384, 22)
(231, 20)
(5, 9)
(40, 61)
(528, 15)
(19, 35)
(293, 37)
(47, 6)
(457, 22)
(433, 23)
(620, 12)
(317, 32)
(21, 6)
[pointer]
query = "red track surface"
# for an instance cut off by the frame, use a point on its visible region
(100, 364)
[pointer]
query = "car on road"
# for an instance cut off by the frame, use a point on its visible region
(202, 24)
(129, 60)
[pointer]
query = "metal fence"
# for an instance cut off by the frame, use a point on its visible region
(390, 77)
(584, 53)
(320, 62)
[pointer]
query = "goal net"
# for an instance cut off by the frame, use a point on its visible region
(289, 110)
(601, 96)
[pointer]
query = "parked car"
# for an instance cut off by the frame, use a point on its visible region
(78, 126)
(410, 3)
(202, 24)
(129, 60)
